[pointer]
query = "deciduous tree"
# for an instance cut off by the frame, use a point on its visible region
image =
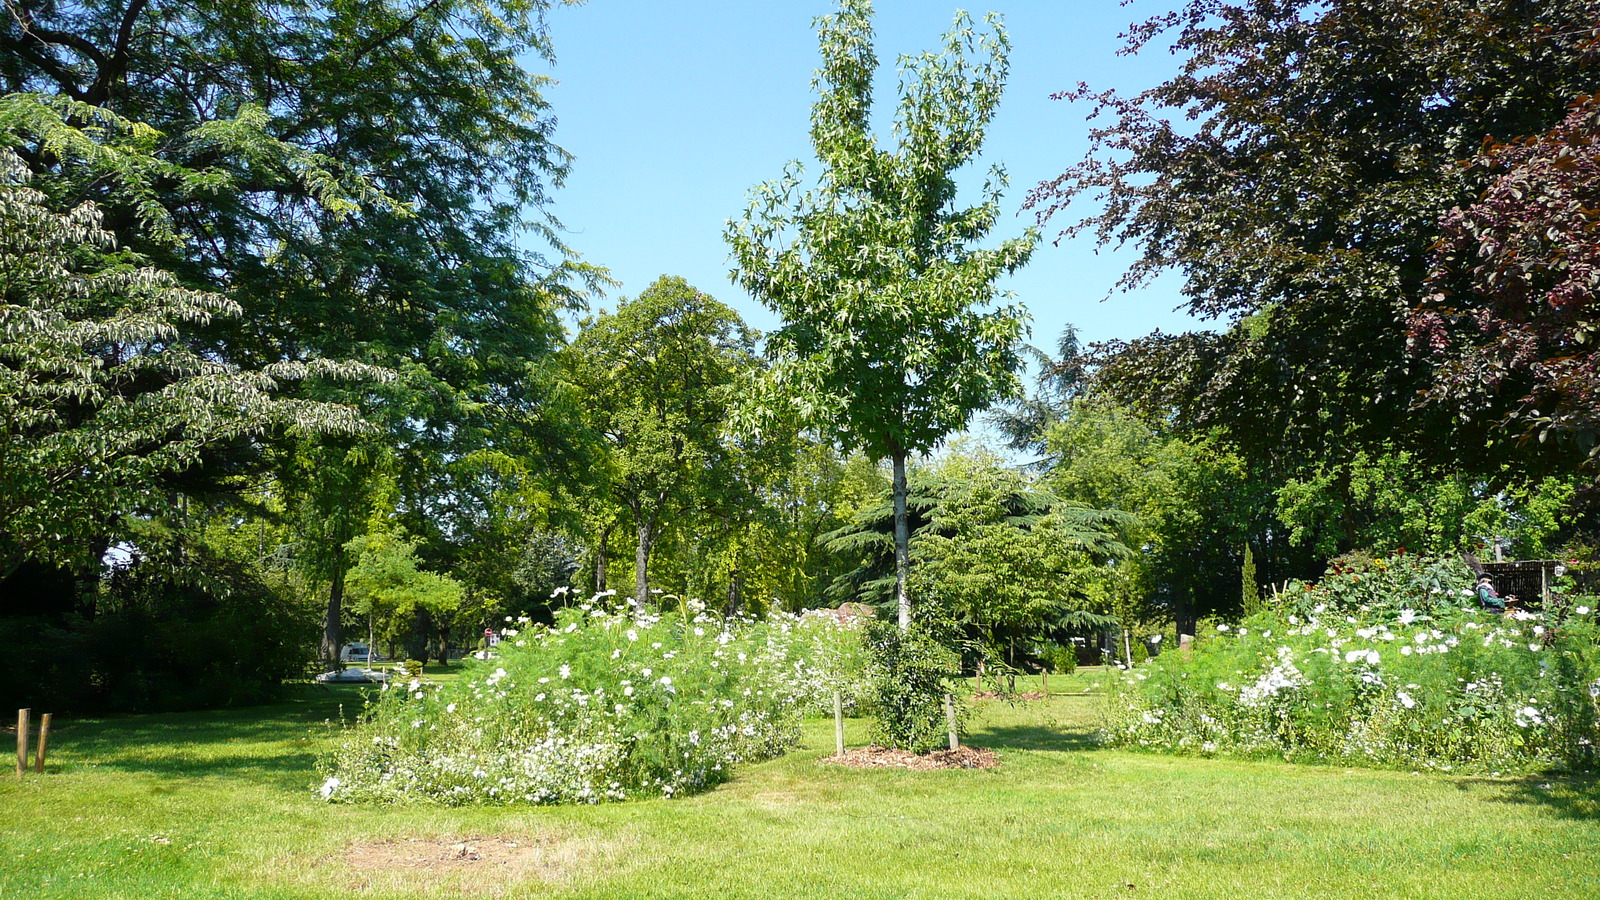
(889, 341)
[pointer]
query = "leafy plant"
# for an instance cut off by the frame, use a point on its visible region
(912, 672)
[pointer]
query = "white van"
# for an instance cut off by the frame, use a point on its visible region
(355, 652)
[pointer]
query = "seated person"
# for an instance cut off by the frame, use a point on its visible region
(1488, 596)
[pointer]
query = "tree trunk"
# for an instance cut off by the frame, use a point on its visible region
(332, 621)
(641, 562)
(902, 542)
(600, 559)
(735, 591)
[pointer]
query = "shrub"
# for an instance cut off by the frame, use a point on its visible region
(1377, 683)
(604, 704)
(911, 673)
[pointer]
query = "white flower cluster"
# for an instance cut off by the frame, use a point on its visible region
(605, 704)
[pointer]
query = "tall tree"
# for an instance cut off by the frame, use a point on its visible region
(660, 374)
(1294, 172)
(887, 342)
(102, 399)
(427, 107)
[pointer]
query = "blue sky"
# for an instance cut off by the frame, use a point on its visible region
(674, 110)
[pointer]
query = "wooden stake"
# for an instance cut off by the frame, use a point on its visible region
(44, 737)
(950, 722)
(1045, 678)
(838, 725)
(22, 741)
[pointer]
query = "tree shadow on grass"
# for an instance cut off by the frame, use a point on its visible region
(1035, 737)
(272, 744)
(1569, 795)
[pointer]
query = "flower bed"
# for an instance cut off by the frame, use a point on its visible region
(1418, 681)
(606, 704)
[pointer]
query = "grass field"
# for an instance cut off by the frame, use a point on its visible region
(221, 804)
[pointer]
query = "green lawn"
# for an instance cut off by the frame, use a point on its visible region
(220, 804)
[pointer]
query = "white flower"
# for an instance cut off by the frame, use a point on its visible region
(646, 673)
(1582, 610)
(417, 695)
(1406, 650)
(451, 708)
(632, 635)
(328, 787)
(566, 671)
(1406, 699)
(1528, 716)
(1407, 616)
(1222, 628)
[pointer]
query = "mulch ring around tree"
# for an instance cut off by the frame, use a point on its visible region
(884, 758)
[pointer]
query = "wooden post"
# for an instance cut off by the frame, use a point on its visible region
(22, 741)
(950, 722)
(44, 737)
(838, 725)
(1044, 677)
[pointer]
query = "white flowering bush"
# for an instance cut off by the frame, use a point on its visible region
(1452, 689)
(610, 702)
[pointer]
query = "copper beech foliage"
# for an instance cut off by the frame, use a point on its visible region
(1514, 318)
(1294, 173)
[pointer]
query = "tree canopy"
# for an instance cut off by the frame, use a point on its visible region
(1295, 172)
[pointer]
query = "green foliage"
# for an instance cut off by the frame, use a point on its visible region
(1250, 588)
(1059, 659)
(601, 705)
(1193, 505)
(176, 627)
(991, 546)
(661, 374)
(102, 394)
(912, 671)
(1370, 588)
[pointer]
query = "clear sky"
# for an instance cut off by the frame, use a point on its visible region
(674, 110)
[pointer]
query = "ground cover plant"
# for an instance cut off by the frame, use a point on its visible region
(611, 701)
(1390, 663)
(220, 805)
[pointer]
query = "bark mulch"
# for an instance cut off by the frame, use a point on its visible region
(883, 758)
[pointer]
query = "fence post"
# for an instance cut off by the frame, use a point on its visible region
(44, 737)
(22, 741)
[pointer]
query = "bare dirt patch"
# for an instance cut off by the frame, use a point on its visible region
(883, 758)
(476, 866)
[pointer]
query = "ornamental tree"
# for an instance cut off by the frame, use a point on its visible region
(890, 337)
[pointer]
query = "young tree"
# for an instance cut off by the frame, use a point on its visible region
(887, 342)
(660, 374)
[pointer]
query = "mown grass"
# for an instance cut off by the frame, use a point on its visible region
(221, 804)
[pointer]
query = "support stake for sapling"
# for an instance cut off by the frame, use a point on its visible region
(838, 724)
(950, 722)
(44, 738)
(22, 741)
